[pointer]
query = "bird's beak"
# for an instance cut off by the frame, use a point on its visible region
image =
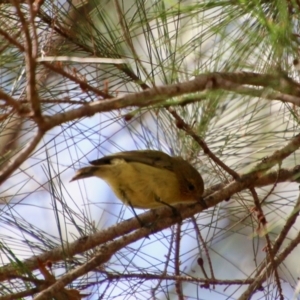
(84, 173)
(75, 177)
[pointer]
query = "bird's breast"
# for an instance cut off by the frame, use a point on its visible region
(144, 186)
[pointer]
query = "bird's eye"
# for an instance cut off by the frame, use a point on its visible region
(191, 187)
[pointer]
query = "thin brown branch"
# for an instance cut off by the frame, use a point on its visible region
(249, 179)
(262, 277)
(12, 40)
(57, 68)
(184, 126)
(284, 175)
(10, 101)
(287, 226)
(199, 235)
(283, 234)
(20, 295)
(278, 81)
(30, 60)
(264, 94)
(156, 95)
(6, 115)
(31, 52)
(20, 157)
(270, 192)
(149, 276)
(262, 223)
(276, 158)
(178, 283)
(65, 33)
(102, 256)
(166, 265)
(65, 100)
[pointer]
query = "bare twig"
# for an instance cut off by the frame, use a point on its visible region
(166, 265)
(184, 126)
(178, 284)
(149, 276)
(145, 98)
(82, 60)
(20, 295)
(10, 101)
(262, 223)
(283, 234)
(262, 277)
(287, 226)
(31, 47)
(21, 157)
(104, 254)
(83, 84)
(205, 250)
(12, 40)
(30, 57)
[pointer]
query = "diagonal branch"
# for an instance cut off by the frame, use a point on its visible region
(164, 214)
(159, 94)
(188, 129)
(21, 157)
(265, 274)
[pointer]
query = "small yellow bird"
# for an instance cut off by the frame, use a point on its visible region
(147, 178)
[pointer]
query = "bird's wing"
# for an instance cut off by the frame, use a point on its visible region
(149, 157)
